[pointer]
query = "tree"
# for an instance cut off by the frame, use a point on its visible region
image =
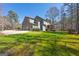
(72, 15)
(77, 22)
(68, 17)
(52, 13)
(70, 12)
(13, 18)
(62, 21)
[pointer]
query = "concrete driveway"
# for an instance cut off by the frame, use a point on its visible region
(9, 32)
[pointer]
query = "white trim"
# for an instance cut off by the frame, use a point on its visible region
(39, 25)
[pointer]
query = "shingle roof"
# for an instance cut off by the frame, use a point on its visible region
(38, 18)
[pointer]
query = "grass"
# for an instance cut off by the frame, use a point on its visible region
(40, 44)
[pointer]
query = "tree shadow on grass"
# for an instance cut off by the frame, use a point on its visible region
(59, 51)
(67, 51)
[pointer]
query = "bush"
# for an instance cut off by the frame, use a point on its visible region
(53, 30)
(36, 29)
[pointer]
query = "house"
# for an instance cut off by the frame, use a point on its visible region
(28, 23)
(32, 23)
(36, 23)
(39, 22)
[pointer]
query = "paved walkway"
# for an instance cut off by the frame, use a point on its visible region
(9, 32)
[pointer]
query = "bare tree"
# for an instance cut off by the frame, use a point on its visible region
(51, 14)
(77, 22)
(72, 14)
(67, 9)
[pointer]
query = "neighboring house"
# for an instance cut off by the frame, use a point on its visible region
(46, 23)
(36, 23)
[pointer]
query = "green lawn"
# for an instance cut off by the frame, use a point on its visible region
(40, 44)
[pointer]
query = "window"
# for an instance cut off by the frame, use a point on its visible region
(31, 21)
